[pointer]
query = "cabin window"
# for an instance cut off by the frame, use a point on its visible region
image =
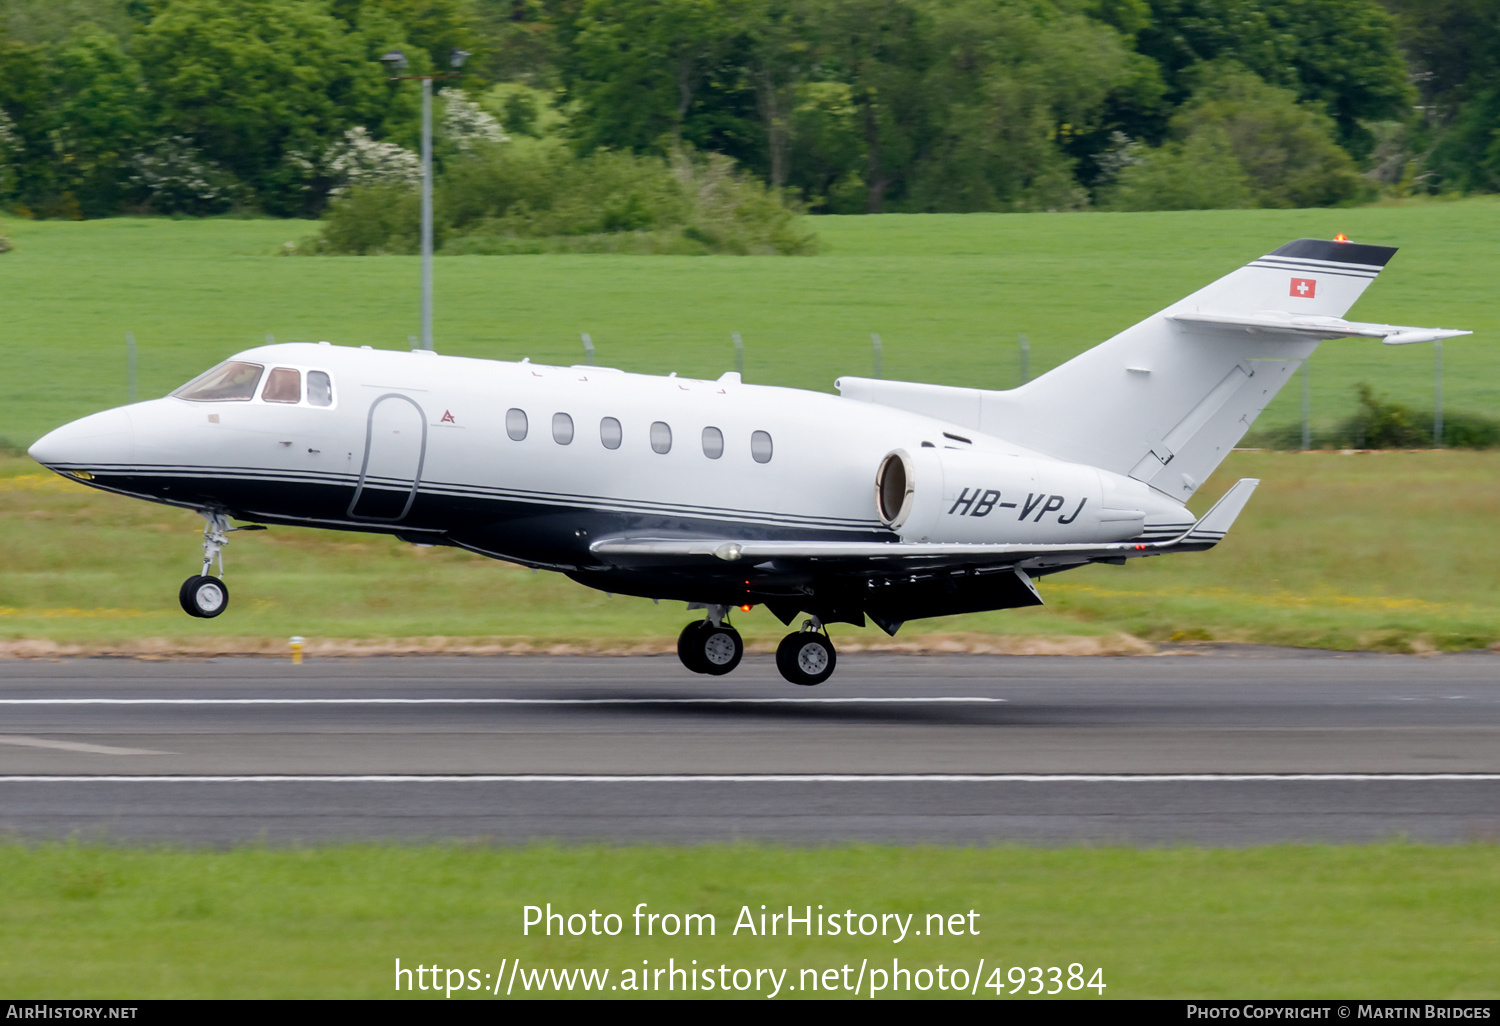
(515, 424)
(283, 385)
(562, 428)
(760, 447)
(233, 381)
(319, 388)
(661, 437)
(610, 433)
(713, 443)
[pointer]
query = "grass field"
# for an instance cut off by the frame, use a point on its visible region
(1377, 921)
(947, 293)
(1393, 551)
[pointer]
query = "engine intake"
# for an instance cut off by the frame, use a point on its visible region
(893, 489)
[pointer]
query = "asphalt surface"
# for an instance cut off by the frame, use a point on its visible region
(1256, 747)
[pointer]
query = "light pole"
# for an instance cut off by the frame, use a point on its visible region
(395, 63)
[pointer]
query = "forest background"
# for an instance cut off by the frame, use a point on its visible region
(281, 108)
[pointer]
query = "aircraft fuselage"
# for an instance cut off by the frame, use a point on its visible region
(534, 464)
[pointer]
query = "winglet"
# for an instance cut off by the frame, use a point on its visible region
(1214, 524)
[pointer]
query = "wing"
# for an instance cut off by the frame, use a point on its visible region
(895, 556)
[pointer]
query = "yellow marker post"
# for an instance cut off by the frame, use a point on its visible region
(297, 644)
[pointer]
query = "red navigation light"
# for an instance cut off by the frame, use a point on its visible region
(1341, 237)
(745, 608)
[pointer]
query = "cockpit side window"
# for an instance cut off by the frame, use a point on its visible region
(319, 388)
(283, 385)
(232, 381)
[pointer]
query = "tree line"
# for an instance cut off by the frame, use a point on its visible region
(841, 106)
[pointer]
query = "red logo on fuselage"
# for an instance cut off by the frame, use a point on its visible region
(1306, 288)
(447, 418)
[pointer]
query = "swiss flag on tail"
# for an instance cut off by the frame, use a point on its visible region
(1306, 288)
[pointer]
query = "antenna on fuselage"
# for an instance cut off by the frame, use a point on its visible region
(875, 343)
(588, 349)
(739, 354)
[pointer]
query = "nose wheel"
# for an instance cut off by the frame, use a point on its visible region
(806, 657)
(204, 595)
(708, 647)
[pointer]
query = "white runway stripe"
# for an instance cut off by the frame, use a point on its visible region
(73, 746)
(763, 778)
(956, 700)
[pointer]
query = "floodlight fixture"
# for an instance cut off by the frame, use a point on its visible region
(395, 63)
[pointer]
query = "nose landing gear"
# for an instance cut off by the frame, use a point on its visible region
(807, 657)
(202, 595)
(710, 645)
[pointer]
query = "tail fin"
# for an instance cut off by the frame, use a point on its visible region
(1164, 401)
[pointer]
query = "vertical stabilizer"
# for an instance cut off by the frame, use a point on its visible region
(1165, 400)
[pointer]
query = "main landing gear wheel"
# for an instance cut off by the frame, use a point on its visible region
(806, 657)
(203, 596)
(704, 648)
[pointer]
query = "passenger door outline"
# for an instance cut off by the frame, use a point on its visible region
(416, 481)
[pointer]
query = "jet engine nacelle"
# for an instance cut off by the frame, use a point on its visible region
(951, 495)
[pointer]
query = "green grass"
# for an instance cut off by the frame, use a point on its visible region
(947, 293)
(1376, 921)
(1391, 551)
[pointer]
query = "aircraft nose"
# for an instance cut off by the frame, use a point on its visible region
(100, 439)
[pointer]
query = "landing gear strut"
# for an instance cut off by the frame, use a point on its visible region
(202, 595)
(710, 645)
(806, 657)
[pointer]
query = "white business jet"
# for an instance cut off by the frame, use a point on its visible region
(892, 501)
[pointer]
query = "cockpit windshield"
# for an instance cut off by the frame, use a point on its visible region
(228, 382)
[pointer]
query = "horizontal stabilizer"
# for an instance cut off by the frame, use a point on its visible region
(1271, 322)
(1206, 533)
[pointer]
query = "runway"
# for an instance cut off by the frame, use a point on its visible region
(1261, 746)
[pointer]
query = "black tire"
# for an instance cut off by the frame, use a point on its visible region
(719, 650)
(688, 649)
(204, 596)
(185, 596)
(806, 658)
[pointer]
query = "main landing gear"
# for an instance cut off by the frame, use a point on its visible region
(712, 646)
(202, 595)
(806, 657)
